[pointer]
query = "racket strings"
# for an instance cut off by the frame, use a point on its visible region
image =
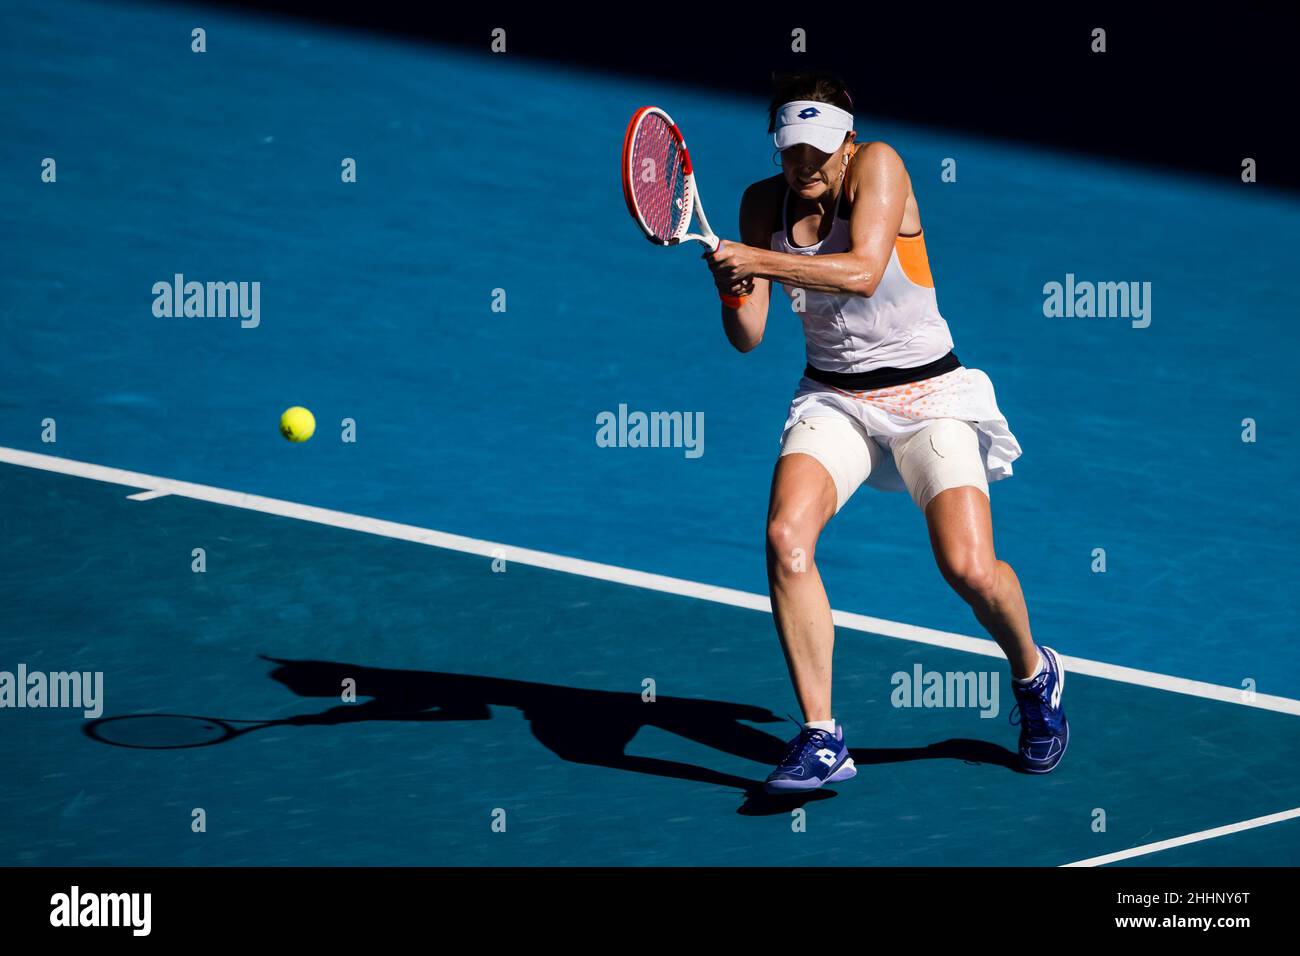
(659, 184)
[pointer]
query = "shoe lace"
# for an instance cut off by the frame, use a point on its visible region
(1030, 705)
(800, 743)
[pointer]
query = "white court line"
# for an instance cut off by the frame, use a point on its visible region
(1189, 838)
(609, 572)
(148, 495)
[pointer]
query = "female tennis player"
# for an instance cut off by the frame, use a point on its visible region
(883, 401)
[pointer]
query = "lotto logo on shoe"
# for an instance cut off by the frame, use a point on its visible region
(826, 756)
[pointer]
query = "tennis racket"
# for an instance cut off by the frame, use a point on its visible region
(658, 182)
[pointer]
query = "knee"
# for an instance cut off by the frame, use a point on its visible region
(790, 545)
(973, 576)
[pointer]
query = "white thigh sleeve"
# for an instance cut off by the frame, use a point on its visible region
(841, 445)
(944, 454)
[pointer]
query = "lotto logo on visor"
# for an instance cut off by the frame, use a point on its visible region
(820, 125)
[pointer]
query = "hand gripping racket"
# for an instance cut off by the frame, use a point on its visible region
(658, 182)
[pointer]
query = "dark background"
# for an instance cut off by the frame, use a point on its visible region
(1182, 88)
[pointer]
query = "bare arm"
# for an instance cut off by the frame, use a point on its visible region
(744, 325)
(880, 188)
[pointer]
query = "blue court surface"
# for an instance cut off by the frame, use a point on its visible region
(498, 586)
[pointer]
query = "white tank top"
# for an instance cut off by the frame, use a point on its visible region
(899, 326)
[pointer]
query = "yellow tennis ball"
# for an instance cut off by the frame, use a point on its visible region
(297, 424)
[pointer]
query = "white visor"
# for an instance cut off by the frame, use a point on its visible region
(820, 125)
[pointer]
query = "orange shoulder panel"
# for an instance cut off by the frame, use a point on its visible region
(912, 257)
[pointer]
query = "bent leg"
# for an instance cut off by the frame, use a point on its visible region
(823, 461)
(944, 471)
(961, 534)
(803, 500)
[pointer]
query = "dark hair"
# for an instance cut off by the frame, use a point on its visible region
(820, 87)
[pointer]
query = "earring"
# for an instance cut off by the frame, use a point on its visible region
(776, 162)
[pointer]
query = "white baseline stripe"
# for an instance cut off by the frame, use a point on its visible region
(609, 572)
(1190, 838)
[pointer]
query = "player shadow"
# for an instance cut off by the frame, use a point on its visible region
(584, 726)
(579, 725)
(958, 748)
(594, 726)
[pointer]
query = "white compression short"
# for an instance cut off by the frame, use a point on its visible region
(915, 437)
(944, 453)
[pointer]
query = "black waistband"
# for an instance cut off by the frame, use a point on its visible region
(883, 377)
